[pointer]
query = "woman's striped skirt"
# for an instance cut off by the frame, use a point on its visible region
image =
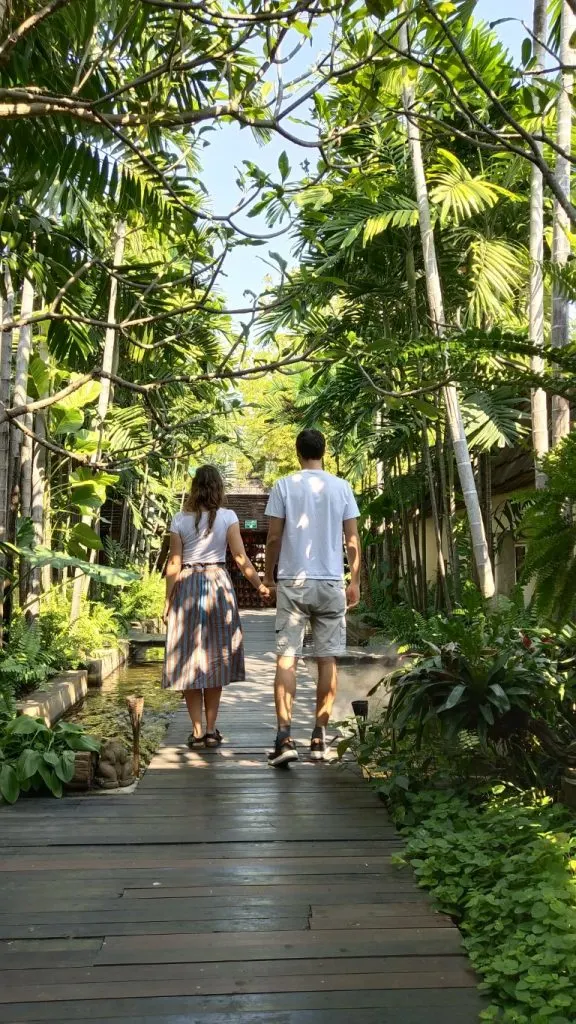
(204, 643)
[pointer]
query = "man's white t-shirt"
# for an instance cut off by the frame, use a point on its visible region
(197, 547)
(314, 505)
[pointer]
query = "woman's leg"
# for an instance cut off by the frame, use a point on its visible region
(212, 703)
(193, 700)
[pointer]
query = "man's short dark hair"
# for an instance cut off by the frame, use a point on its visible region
(311, 444)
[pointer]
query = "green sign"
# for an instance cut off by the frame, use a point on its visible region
(250, 524)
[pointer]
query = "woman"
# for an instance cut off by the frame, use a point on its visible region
(204, 644)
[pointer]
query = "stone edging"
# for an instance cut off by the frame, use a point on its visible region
(106, 661)
(60, 694)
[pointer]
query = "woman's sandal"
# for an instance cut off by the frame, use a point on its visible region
(213, 739)
(195, 741)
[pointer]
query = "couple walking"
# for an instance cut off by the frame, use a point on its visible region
(311, 513)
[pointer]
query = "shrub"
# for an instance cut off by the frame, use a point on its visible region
(34, 757)
(51, 644)
(505, 870)
(143, 599)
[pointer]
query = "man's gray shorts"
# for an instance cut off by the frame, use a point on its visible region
(322, 603)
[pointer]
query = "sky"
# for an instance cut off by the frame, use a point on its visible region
(229, 145)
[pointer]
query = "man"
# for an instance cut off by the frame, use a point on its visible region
(310, 511)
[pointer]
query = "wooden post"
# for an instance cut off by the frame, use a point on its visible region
(135, 710)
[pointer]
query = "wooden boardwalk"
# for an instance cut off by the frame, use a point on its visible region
(223, 892)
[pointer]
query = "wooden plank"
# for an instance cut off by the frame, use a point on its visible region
(214, 906)
(448, 1001)
(74, 929)
(242, 971)
(453, 979)
(147, 860)
(403, 1015)
(223, 891)
(370, 915)
(18, 860)
(220, 947)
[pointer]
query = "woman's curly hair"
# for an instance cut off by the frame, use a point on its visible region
(206, 495)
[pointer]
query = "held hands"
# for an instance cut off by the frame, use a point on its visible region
(267, 590)
(266, 593)
(352, 595)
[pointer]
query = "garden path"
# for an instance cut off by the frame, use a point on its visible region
(223, 892)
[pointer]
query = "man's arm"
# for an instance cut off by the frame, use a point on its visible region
(273, 545)
(354, 552)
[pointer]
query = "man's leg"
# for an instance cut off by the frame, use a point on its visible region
(285, 689)
(326, 690)
(329, 633)
(290, 625)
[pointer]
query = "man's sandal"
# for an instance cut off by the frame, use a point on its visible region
(194, 742)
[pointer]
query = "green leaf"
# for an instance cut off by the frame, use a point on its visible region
(9, 785)
(85, 743)
(284, 165)
(526, 50)
(83, 534)
(454, 697)
(85, 395)
(105, 573)
(66, 766)
(28, 764)
(302, 28)
(24, 725)
(50, 780)
(39, 377)
(70, 421)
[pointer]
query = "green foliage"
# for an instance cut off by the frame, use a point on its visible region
(505, 870)
(143, 599)
(549, 526)
(103, 714)
(96, 627)
(36, 758)
(51, 644)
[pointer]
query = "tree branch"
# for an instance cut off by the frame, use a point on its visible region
(28, 25)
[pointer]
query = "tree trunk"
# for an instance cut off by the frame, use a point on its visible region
(486, 468)
(21, 444)
(111, 336)
(443, 582)
(448, 476)
(6, 312)
(436, 312)
(104, 399)
(560, 238)
(26, 455)
(540, 439)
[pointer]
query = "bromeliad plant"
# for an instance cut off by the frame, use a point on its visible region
(36, 758)
(491, 693)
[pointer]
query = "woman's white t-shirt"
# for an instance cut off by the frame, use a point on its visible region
(197, 547)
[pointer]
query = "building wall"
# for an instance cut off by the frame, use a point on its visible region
(505, 555)
(249, 507)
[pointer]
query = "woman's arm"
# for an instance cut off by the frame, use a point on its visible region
(173, 569)
(238, 552)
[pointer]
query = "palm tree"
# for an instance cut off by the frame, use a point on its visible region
(561, 240)
(539, 399)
